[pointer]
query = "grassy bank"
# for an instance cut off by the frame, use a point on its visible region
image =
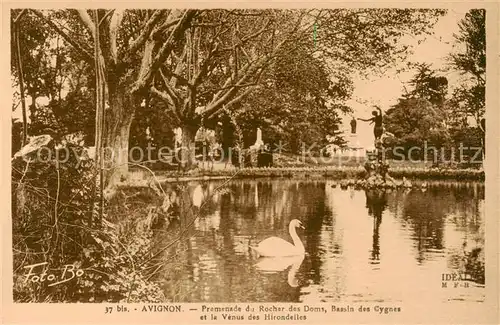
(139, 176)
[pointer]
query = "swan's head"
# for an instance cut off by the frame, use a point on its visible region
(296, 224)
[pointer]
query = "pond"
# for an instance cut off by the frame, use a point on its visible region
(361, 246)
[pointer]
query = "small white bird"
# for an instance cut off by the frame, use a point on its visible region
(274, 246)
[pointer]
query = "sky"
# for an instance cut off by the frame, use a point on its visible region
(385, 90)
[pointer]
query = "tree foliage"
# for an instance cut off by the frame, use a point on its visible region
(372, 39)
(57, 82)
(469, 98)
(428, 85)
(420, 115)
(300, 101)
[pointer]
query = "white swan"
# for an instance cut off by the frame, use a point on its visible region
(275, 246)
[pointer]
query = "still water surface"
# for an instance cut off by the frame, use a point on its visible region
(360, 246)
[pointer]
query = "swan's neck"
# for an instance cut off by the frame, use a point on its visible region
(296, 240)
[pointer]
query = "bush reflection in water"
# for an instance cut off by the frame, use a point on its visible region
(361, 246)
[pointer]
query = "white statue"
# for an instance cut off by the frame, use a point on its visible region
(258, 143)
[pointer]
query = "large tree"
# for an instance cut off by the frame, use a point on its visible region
(221, 58)
(427, 84)
(132, 46)
(414, 121)
(40, 60)
(469, 98)
(420, 115)
(299, 102)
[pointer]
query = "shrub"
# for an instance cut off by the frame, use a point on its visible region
(53, 222)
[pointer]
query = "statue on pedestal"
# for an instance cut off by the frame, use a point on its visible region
(259, 153)
(258, 142)
(376, 167)
(353, 125)
(377, 120)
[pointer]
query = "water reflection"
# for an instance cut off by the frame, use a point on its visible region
(351, 256)
(376, 202)
(279, 264)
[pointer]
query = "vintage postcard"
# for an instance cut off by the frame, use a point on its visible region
(250, 162)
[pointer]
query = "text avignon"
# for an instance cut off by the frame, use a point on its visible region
(162, 308)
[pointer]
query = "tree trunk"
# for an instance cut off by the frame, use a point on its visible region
(21, 86)
(116, 134)
(187, 150)
(228, 138)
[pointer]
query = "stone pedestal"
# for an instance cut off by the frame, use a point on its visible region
(377, 170)
(253, 155)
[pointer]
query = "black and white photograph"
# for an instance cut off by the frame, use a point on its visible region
(332, 160)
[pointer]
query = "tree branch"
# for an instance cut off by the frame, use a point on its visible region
(87, 20)
(147, 75)
(220, 99)
(237, 12)
(86, 53)
(162, 95)
(146, 31)
(170, 90)
(21, 14)
(168, 101)
(242, 95)
(178, 67)
(146, 61)
(163, 28)
(227, 84)
(238, 86)
(247, 38)
(256, 34)
(204, 67)
(217, 103)
(109, 13)
(114, 24)
(174, 76)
